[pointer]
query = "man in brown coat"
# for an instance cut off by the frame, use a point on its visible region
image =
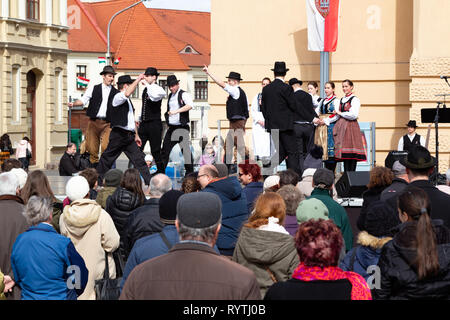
(192, 270)
(12, 223)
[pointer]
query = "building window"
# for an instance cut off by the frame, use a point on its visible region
(33, 9)
(194, 129)
(58, 96)
(81, 72)
(135, 94)
(163, 84)
(15, 94)
(201, 90)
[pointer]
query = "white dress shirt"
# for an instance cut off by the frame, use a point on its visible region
(173, 106)
(411, 137)
(119, 99)
(155, 92)
(105, 95)
(233, 91)
(351, 114)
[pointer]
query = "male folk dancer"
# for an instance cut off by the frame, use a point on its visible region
(99, 98)
(177, 118)
(411, 138)
(123, 134)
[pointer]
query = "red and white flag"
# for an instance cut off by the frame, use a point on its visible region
(323, 21)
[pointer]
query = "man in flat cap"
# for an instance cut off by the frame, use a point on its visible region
(192, 270)
(150, 124)
(124, 137)
(100, 99)
(237, 114)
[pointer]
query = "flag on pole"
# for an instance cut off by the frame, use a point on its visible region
(82, 82)
(102, 60)
(323, 20)
(116, 61)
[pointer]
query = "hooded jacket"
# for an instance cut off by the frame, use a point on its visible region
(234, 211)
(268, 254)
(92, 231)
(399, 278)
(21, 150)
(365, 255)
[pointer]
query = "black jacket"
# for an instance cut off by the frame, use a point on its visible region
(398, 276)
(142, 222)
(67, 165)
(369, 196)
(304, 111)
(440, 201)
(394, 189)
(119, 206)
(278, 105)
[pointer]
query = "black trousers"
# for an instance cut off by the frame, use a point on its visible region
(350, 165)
(286, 148)
(303, 134)
(121, 140)
(178, 134)
(152, 131)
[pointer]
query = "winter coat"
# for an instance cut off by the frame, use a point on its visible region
(92, 231)
(234, 211)
(268, 254)
(394, 189)
(67, 165)
(103, 194)
(398, 275)
(21, 150)
(365, 255)
(40, 260)
(252, 191)
(291, 224)
(12, 223)
(119, 206)
(369, 196)
(57, 211)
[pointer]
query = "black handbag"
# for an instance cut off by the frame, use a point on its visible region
(28, 154)
(106, 288)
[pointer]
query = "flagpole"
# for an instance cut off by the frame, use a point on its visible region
(324, 71)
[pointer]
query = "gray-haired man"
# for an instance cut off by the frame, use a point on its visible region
(192, 269)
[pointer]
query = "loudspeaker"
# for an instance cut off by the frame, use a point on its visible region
(352, 184)
(394, 156)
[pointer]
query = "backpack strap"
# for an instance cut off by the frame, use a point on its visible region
(166, 241)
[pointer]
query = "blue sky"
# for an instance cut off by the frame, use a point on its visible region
(190, 5)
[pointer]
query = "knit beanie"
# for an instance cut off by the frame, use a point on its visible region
(168, 206)
(311, 209)
(380, 219)
(113, 178)
(77, 188)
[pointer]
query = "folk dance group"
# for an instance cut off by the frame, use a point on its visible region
(302, 120)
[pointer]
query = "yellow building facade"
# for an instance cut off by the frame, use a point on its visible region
(394, 52)
(33, 91)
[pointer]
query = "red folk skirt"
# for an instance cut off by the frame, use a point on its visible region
(348, 141)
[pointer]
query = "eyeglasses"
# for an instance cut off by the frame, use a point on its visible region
(199, 176)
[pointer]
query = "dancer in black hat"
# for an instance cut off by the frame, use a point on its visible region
(99, 98)
(411, 138)
(150, 124)
(123, 134)
(278, 107)
(237, 112)
(177, 118)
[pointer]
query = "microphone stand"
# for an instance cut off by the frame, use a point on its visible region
(436, 126)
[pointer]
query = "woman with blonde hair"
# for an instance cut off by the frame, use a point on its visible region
(264, 246)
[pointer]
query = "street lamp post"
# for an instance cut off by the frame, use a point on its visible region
(108, 54)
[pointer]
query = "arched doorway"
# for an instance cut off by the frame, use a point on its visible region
(31, 112)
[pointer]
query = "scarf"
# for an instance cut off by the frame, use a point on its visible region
(360, 289)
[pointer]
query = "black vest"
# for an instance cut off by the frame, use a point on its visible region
(151, 110)
(184, 116)
(237, 107)
(408, 143)
(96, 101)
(119, 114)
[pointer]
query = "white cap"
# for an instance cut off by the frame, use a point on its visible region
(148, 157)
(271, 181)
(77, 188)
(21, 175)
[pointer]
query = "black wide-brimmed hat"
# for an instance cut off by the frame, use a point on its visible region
(172, 80)
(279, 67)
(418, 158)
(412, 124)
(294, 81)
(150, 71)
(108, 69)
(234, 75)
(125, 79)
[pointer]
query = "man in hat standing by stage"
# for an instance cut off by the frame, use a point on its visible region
(411, 138)
(99, 98)
(278, 107)
(124, 137)
(237, 112)
(150, 124)
(304, 119)
(177, 118)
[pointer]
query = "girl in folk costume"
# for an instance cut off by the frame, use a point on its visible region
(261, 138)
(348, 143)
(313, 89)
(324, 132)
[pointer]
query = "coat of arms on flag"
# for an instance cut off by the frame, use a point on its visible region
(102, 60)
(323, 6)
(116, 61)
(82, 82)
